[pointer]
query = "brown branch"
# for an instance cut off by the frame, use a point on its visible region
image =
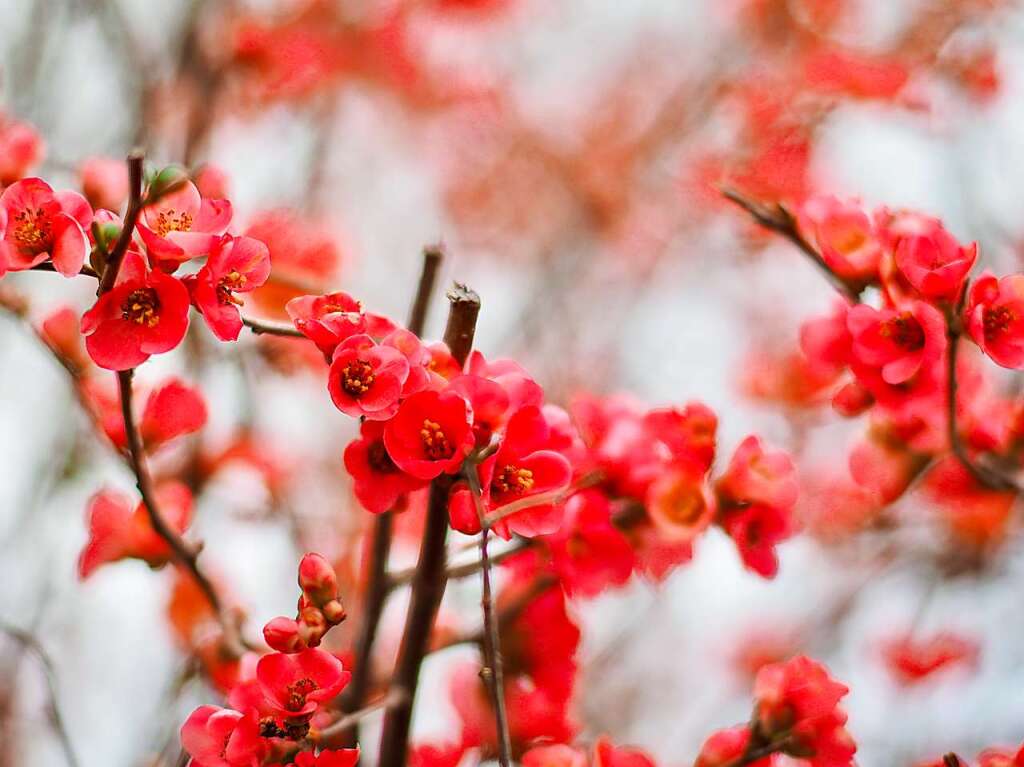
(47, 266)
(429, 582)
(778, 219)
(30, 643)
(329, 736)
(378, 583)
(186, 554)
(271, 328)
(982, 474)
(492, 671)
(131, 217)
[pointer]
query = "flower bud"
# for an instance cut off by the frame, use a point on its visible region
(282, 634)
(166, 181)
(334, 612)
(317, 579)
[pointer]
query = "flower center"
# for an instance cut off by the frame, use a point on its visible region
(357, 377)
(684, 504)
(172, 221)
(512, 479)
(904, 331)
(996, 321)
(379, 460)
(229, 283)
(142, 307)
(297, 692)
(32, 230)
(435, 444)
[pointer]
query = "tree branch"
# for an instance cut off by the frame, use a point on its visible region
(271, 328)
(131, 217)
(186, 554)
(778, 219)
(429, 582)
(378, 583)
(29, 642)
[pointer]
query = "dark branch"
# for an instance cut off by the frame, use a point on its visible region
(131, 217)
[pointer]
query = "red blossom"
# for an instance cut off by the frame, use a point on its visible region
(43, 224)
(994, 317)
(912, 660)
(899, 342)
(104, 182)
(236, 265)
(366, 378)
(145, 313)
(430, 434)
(117, 532)
(327, 320)
(296, 684)
(377, 482)
(182, 225)
(935, 263)
(219, 737)
(588, 552)
(844, 235)
(21, 149)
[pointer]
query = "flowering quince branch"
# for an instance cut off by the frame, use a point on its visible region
(112, 265)
(346, 724)
(492, 670)
(186, 554)
(778, 219)
(379, 583)
(29, 642)
(271, 328)
(429, 583)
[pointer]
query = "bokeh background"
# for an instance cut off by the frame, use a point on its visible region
(566, 154)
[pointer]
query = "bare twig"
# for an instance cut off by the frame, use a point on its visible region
(185, 553)
(778, 219)
(378, 583)
(429, 582)
(492, 671)
(271, 328)
(131, 217)
(331, 734)
(30, 643)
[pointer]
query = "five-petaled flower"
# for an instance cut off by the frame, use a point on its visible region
(220, 737)
(994, 318)
(235, 265)
(366, 378)
(43, 224)
(296, 684)
(430, 434)
(145, 313)
(181, 225)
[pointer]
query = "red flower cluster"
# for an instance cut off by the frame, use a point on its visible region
(796, 713)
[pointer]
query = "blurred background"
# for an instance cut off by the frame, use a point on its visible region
(567, 155)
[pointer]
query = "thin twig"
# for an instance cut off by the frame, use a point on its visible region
(271, 328)
(492, 671)
(329, 735)
(30, 643)
(378, 583)
(778, 219)
(429, 584)
(185, 553)
(47, 266)
(131, 217)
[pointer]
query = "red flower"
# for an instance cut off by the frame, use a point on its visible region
(688, 433)
(145, 313)
(727, 747)
(42, 224)
(378, 482)
(220, 737)
(797, 704)
(21, 149)
(104, 182)
(558, 755)
(62, 332)
(172, 409)
(995, 318)
(345, 757)
(116, 532)
(366, 378)
(680, 504)
(900, 342)
(430, 434)
(181, 225)
(589, 553)
(235, 265)
(327, 320)
(520, 469)
(844, 235)
(756, 530)
(934, 262)
(607, 754)
(295, 685)
(912, 660)
(755, 475)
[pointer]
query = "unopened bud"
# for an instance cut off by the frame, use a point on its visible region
(334, 612)
(165, 181)
(317, 579)
(283, 635)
